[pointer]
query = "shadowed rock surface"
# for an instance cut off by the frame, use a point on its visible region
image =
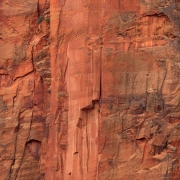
(90, 90)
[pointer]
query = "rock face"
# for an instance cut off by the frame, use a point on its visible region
(24, 73)
(90, 90)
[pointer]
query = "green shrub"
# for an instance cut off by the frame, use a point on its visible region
(40, 19)
(48, 20)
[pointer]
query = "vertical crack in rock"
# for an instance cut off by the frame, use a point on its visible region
(15, 143)
(23, 153)
(30, 123)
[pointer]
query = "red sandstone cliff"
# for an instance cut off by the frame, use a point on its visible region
(24, 80)
(90, 90)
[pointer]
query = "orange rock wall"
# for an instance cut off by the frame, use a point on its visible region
(119, 90)
(89, 90)
(24, 81)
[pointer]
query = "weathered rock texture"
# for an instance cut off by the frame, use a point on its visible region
(24, 73)
(98, 99)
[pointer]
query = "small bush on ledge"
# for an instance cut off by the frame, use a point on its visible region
(40, 19)
(48, 20)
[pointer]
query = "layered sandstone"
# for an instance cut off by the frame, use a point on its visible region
(98, 99)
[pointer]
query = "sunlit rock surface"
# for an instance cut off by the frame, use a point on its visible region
(90, 90)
